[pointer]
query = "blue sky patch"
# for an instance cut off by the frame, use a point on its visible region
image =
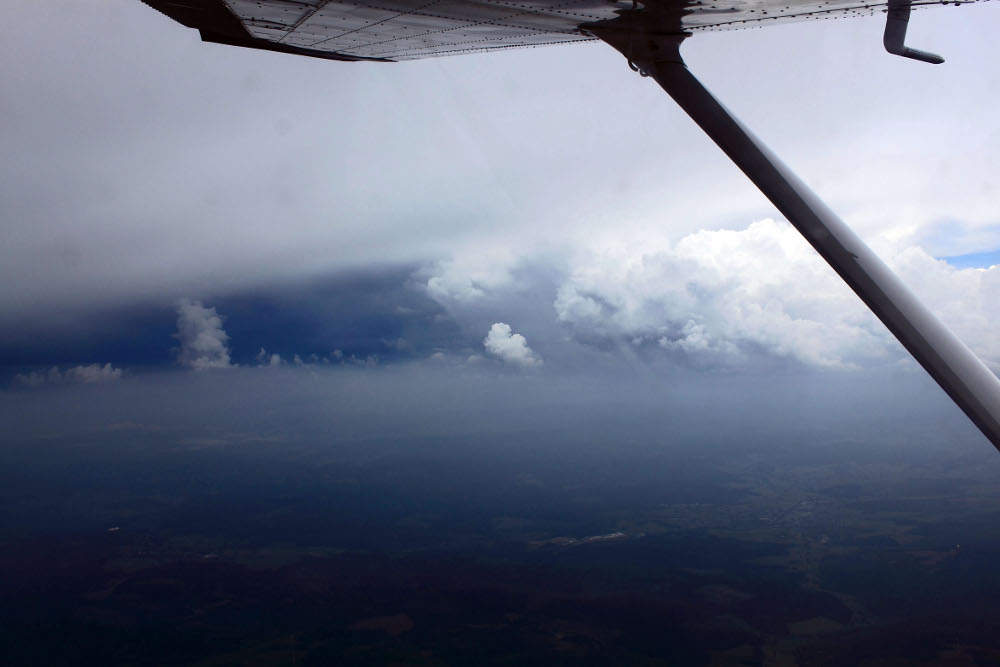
(974, 260)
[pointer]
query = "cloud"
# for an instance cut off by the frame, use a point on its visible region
(274, 360)
(510, 347)
(722, 297)
(967, 300)
(93, 374)
(719, 297)
(264, 358)
(83, 374)
(469, 276)
(204, 343)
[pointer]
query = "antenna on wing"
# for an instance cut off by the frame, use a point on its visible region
(897, 19)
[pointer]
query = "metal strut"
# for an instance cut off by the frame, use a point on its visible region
(973, 387)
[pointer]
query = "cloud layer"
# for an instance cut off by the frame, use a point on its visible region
(722, 298)
(138, 197)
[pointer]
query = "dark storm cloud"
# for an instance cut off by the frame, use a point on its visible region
(381, 313)
(138, 334)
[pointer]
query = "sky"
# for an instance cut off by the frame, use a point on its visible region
(193, 229)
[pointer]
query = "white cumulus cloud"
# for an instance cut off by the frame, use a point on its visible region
(967, 300)
(510, 347)
(204, 343)
(723, 296)
(469, 276)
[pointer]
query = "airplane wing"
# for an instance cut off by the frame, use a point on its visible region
(649, 34)
(391, 30)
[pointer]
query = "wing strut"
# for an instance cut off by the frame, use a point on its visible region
(959, 372)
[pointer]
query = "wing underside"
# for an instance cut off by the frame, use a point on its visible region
(389, 30)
